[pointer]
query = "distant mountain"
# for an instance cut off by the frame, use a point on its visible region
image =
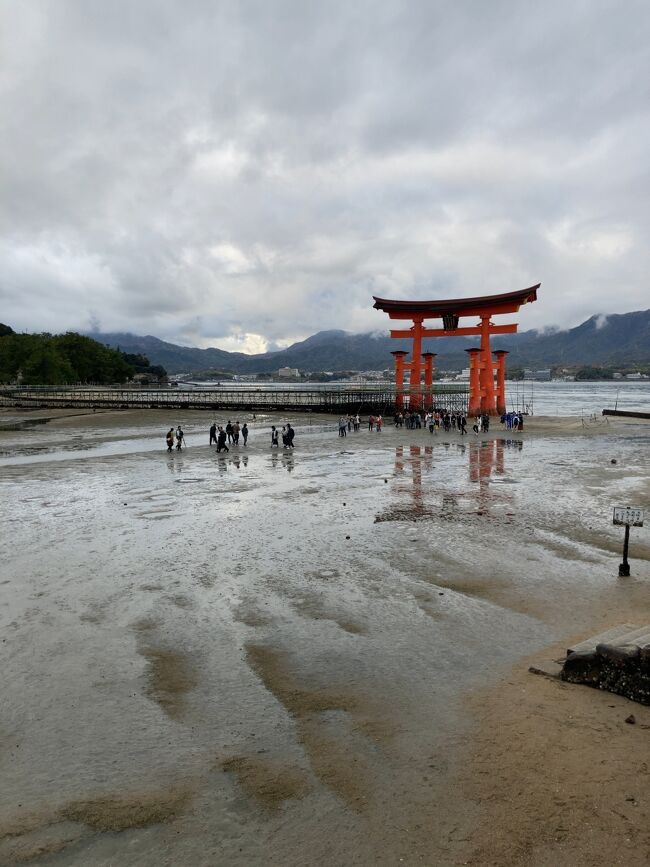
(175, 359)
(617, 339)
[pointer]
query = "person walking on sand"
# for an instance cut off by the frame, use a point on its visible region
(229, 431)
(221, 441)
(290, 435)
(274, 437)
(169, 439)
(235, 433)
(180, 438)
(342, 427)
(244, 432)
(371, 422)
(462, 424)
(379, 422)
(213, 433)
(357, 422)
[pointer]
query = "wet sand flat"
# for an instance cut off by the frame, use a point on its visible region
(315, 656)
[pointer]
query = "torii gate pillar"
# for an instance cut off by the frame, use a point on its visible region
(501, 380)
(399, 355)
(415, 366)
(428, 368)
(486, 370)
(474, 407)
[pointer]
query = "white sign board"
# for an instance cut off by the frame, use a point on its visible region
(628, 515)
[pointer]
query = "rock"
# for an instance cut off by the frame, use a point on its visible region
(614, 460)
(619, 654)
(618, 669)
(347, 537)
(582, 666)
(630, 719)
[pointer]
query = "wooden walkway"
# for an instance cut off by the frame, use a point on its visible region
(626, 413)
(334, 400)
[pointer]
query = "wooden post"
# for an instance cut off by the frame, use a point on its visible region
(415, 401)
(501, 380)
(428, 375)
(624, 567)
(399, 356)
(474, 407)
(487, 373)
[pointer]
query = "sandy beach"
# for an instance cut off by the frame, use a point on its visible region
(316, 656)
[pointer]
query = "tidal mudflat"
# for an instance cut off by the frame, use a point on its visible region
(317, 656)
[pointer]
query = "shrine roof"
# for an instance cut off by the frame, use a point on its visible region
(507, 302)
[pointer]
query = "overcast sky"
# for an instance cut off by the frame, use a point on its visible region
(244, 174)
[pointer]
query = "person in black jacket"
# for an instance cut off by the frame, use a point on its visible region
(221, 440)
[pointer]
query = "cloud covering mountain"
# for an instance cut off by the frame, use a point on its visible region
(242, 174)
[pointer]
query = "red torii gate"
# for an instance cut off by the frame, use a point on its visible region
(485, 396)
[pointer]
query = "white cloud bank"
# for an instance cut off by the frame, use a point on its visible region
(242, 174)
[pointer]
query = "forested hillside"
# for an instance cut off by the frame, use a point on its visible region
(46, 359)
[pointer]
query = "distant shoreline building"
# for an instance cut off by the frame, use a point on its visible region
(288, 372)
(539, 375)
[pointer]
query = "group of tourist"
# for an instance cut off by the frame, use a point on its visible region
(434, 420)
(288, 435)
(513, 420)
(353, 423)
(349, 423)
(176, 436)
(223, 436)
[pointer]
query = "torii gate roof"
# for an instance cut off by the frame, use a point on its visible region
(508, 302)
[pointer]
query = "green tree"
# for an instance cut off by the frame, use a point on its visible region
(46, 366)
(65, 358)
(593, 373)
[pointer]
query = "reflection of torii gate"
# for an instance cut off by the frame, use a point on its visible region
(484, 395)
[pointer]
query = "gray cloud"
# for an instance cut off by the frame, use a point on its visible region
(245, 173)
